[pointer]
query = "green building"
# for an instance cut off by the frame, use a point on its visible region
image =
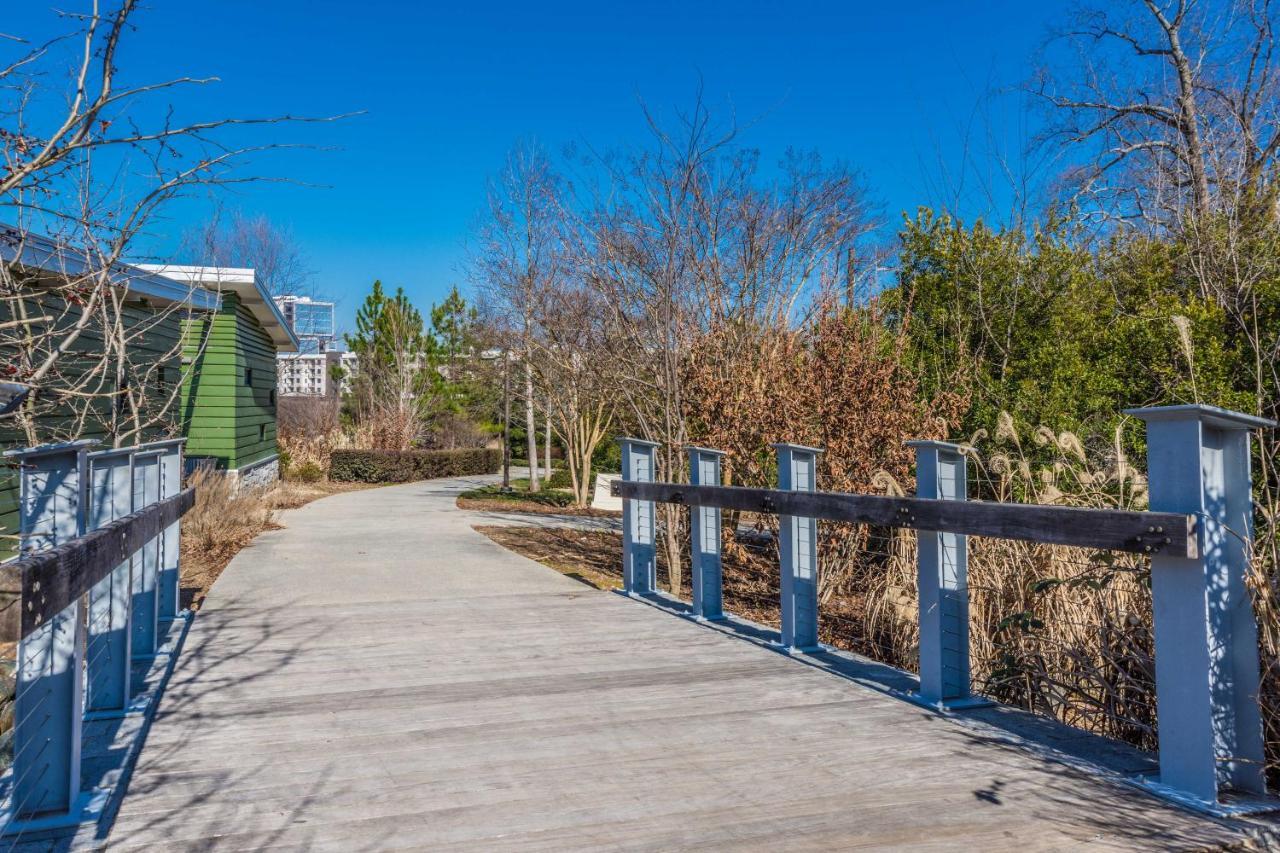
(228, 405)
(194, 354)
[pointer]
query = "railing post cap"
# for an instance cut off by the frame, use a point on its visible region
(50, 449)
(642, 442)
(166, 442)
(803, 448)
(139, 449)
(932, 444)
(1211, 415)
(693, 448)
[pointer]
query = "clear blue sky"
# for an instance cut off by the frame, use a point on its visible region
(893, 89)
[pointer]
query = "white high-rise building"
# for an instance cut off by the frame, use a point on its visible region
(310, 373)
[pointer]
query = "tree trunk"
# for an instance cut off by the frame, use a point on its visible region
(506, 421)
(546, 444)
(671, 545)
(531, 428)
(584, 487)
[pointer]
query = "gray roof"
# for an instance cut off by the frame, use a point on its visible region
(37, 252)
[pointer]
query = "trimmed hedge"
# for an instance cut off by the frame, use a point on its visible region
(560, 479)
(405, 466)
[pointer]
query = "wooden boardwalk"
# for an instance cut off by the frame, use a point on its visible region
(378, 676)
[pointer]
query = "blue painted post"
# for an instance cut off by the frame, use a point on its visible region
(639, 571)
(942, 578)
(171, 465)
(704, 541)
(108, 645)
(49, 698)
(146, 563)
(1206, 639)
(798, 551)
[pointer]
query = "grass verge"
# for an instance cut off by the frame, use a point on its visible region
(520, 499)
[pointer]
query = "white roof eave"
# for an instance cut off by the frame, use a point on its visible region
(242, 282)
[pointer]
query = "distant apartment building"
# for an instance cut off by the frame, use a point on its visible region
(308, 371)
(312, 373)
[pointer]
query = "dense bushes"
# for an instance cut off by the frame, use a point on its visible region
(561, 479)
(404, 466)
(518, 496)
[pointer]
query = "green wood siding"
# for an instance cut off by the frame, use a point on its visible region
(155, 338)
(224, 417)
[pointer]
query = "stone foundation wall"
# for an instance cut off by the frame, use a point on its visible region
(262, 473)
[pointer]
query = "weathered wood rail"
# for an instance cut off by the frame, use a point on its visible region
(43, 584)
(90, 599)
(1169, 533)
(1197, 536)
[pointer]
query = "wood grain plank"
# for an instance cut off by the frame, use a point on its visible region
(1105, 529)
(38, 586)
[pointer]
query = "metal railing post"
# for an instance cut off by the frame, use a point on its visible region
(168, 588)
(639, 570)
(146, 563)
(798, 551)
(1206, 637)
(704, 542)
(942, 579)
(49, 697)
(108, 657)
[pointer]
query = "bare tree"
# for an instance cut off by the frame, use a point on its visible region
(243, 240)
(518, 259)
(1174, 103)
(688, 237)
(83, 163)
(576, 379)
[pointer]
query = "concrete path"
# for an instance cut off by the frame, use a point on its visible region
(378, 676)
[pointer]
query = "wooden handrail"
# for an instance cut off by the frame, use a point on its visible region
(1166, 533)
(38, 586)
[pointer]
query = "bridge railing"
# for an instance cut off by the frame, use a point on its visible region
(87, 600)
(1197, 535)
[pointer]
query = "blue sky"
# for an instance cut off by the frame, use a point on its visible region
(900, 91)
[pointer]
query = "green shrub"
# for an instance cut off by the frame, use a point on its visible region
(560, 479)
(607, 458)
(517, 495)
(307, 472)
(395, 466)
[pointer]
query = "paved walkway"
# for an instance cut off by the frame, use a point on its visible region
(378, 676)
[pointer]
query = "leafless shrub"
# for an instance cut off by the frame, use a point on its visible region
(225, 518)
(308, 430)
(839, 383)
(307, 416)
(455, 432)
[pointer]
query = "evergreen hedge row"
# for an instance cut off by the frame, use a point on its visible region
(405, 466)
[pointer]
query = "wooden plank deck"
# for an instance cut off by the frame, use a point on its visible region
(378, 676)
